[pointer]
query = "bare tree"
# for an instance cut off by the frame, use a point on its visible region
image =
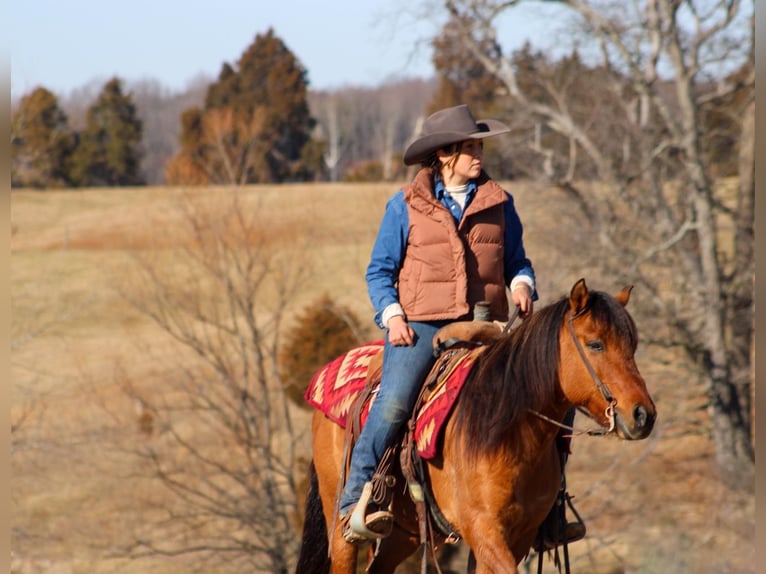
(369, 124)
(398, 107)
(660, 215)
(331, 110)
(222, 438)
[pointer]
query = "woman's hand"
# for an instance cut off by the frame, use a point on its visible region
(522, 298)
(399, 332)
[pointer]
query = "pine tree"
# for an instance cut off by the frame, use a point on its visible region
(41, 142)
(109, 150)
(255, 123)
(277, 82)
(188, 166)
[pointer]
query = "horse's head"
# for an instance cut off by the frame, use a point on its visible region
(598, 341)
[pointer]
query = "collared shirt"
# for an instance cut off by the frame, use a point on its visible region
(440, 191)
(390, 247)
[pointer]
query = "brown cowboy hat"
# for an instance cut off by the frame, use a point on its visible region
(449, 126)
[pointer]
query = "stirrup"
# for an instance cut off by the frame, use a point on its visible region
(555, 529)
(573, 531)
(352, 536)
(363, 525)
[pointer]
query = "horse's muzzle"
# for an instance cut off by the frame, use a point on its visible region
(640, 424)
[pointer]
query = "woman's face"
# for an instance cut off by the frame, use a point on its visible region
(462, 165)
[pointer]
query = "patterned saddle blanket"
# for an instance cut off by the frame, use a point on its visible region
(335, 387)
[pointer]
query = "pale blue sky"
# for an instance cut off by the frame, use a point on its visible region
(65, 44)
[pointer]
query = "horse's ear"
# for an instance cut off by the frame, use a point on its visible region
(578, 297)
(624, 295)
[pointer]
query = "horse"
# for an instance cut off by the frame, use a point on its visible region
(499, 469)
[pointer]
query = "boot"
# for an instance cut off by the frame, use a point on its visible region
(367, 520)
(555, 530)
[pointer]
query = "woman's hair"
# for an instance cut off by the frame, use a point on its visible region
(432, 160)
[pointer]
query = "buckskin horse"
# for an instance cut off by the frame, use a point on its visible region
(498, 471)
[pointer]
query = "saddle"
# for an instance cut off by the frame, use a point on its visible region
(456, 347)
(459, 333)
(459, 338)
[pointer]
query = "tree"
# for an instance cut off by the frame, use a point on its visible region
(159, 110)
(329, 109)
(189, 165)
(278, 83)
(661, 220)
(369, 127)
(463, 79)
(109, 149)
(224, 446)
(255, 122)
(41, 142)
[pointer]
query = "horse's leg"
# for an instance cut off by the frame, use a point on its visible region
(343, 555)
(492, 554)
(477, 505)
(328, 455)
(393, 551)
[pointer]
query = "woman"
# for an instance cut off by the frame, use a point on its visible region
(448, 240)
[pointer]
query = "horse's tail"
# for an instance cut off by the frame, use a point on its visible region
(314, 557)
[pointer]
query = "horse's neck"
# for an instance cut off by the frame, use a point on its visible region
(537, 428)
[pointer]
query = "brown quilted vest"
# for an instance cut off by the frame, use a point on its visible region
(446, 269)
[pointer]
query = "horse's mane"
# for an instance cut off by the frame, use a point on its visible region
(519, 372)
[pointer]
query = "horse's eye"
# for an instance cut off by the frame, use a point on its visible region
(595, 345)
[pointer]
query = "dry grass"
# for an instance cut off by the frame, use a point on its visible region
(654, 506)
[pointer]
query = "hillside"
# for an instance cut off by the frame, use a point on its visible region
(652, 506)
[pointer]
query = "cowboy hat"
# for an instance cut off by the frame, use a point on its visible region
(449, 126)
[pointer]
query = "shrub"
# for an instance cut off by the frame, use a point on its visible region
(323, 331)
(364, 171)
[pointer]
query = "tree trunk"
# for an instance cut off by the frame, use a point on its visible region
(731, 435)
(741, 299)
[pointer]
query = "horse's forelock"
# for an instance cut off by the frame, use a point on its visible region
(613, 316)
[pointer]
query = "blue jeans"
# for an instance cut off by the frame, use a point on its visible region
(402, 376)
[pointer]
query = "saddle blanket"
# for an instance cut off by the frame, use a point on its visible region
(335, 387)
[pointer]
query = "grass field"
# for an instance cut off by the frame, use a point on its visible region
(653, 506)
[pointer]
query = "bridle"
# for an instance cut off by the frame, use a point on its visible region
(608, 397)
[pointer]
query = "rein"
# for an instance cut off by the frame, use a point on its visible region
(608, 412)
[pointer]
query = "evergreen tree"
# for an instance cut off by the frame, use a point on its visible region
(272, 79)
(462, 77)
(255, 123)
(41, 142)
(188, 166)
(109, 150)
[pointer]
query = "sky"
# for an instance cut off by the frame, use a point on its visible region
(66, 44)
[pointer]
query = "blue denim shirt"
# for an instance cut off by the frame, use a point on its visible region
(390, 246)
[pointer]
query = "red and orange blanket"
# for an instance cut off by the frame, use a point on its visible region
(336, 386)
